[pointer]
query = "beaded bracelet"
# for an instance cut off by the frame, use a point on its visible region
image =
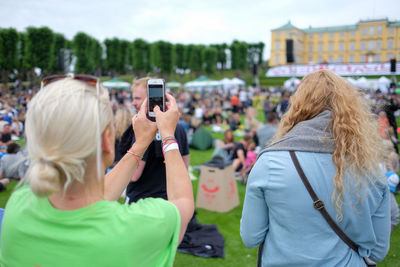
(132, 152)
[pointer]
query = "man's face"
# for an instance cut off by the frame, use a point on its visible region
(139, 93)
(6, 129)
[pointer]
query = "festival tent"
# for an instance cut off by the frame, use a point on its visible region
(384, 84)
(362, 83)
(291, 84)
(202, 82)
(351, 81)
(232, 83)
(173, 84)
(116, 83)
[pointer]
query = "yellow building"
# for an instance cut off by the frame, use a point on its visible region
(367, 41)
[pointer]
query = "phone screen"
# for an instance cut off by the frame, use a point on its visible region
(156, 94)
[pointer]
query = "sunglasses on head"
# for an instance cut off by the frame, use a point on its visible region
(91, 80)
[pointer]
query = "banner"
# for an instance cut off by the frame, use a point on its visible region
(340, 69)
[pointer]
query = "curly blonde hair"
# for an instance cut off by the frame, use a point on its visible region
(358, 146)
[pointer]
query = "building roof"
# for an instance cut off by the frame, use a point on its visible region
(287, 26)
(331, 29)
(395, 23)
(290, 26)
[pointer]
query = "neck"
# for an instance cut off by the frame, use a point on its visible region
(80, 195)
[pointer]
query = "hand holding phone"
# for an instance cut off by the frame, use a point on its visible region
(155, 96)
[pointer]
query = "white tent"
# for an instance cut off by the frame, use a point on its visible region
(291, 84)
(384, 84)
(362, 83)
(116, 84)
(352, 81)
(202, 83)
(232, 83)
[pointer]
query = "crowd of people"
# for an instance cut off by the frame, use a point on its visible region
(329, 124)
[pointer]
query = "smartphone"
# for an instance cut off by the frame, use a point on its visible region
(155, 95)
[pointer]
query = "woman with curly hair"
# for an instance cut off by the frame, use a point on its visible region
(330, 128)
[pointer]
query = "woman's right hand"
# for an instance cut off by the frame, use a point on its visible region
(144, 129)
(166, 121)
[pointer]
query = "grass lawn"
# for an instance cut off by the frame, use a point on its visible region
(236, 254)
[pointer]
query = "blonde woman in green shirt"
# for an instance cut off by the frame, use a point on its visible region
(66, 213)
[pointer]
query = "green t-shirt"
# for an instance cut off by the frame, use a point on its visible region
(105, 233)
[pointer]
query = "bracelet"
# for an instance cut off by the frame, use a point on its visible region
(170, 147)
(132, 152)
(164, 147)
(168, 137)
(169, 140)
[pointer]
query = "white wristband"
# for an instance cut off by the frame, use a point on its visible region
(172, 146)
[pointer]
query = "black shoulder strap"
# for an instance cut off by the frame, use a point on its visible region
(319, 205)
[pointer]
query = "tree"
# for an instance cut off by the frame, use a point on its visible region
(210, 59)
(83, 51)
(57, 64)
(97, 57)
(113, 55)
(123, 56)
(180, 61)
(195, 58)
(8, 52)
(239, 55)
(39, 49)
(140, 57)
(221, 55)
(161, 57)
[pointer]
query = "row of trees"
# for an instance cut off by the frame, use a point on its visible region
(21, 53)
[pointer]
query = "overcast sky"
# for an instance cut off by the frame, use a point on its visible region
(197, 22)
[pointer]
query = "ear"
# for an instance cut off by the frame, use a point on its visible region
(106, 138)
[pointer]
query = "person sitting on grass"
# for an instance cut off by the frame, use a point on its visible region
(12, 164)
(66, 213)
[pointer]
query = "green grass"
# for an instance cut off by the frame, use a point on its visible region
(236, 254)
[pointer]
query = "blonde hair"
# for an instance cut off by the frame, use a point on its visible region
(123, 118)
(358, 144)
(64, 123)
(140, 82)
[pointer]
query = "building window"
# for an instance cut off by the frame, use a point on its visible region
(320, 47)
(277, 59)
(277, 46)
(363, 45)
(371, 45)
(352, 46)
(310, 48)
(321, 36)
(378, 45)
(389, 57)
(311, 36)
(320, 59)
(378, 58)
(364, 31)
(288, 33)
(341, 46)
(353, 34)
(340, 59)
(371, 30)
(278, 34)
(351, 59)
(391, 31)
(330, 59)
(342, 34)
(362, 59)
(310, 60)
(390, 44)
(330, 47)
(331, 35)
(379, 31)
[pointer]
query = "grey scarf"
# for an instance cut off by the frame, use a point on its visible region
(312, 135)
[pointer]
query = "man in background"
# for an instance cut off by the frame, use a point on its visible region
(149, 179)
